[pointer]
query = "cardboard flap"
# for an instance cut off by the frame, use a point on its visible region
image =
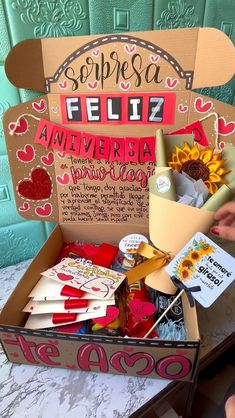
(179, 59)
(26, 57)
(215, 59)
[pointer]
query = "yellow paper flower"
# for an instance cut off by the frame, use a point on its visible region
(200, 164)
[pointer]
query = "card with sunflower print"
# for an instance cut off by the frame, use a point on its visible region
(203, 263)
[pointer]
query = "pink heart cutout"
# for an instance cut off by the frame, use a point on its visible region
(182, 108)
(130, 49)
(92, 86)
(48, 159)
(201, 106)
(111, 314)
(39, 107)
(125, 86)
(141, 309)
(63, 84)
(26, 154)
(96, 52)
(64, 179)
(45, 210)
(24, 207)
(65, 277)
(154, 58)
(61, 154)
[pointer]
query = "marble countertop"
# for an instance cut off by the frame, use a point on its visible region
(30, 391)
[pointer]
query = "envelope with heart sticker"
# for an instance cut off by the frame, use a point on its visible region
(82, 154)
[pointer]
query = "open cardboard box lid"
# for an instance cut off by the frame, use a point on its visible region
(52, 186)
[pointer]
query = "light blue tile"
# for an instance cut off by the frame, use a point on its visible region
(8, 213)
(20, 241)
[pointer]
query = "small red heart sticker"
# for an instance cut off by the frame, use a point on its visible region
(64, 277)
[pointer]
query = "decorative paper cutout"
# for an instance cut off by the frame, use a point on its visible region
(112, 313)
(201, 106)
(24, 207)
(39, 107)
(26, 154)
(225, 128)
(45, 210)
(48, 159)
(39, 187)
(93, 279)
(171, 83)
(94, 146)
(20, 127)
(142, 108)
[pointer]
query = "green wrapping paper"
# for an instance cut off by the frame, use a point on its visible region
(223, 195)
(166, 144)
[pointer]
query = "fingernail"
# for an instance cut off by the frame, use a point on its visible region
(214, 230)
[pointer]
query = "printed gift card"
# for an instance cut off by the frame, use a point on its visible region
(97, 280)
(203, 263)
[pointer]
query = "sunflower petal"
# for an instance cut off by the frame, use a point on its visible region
(186, 148)
(222, 171)
(182, 156)
(175, 166)
(194, 153)
(217, 156)
(215, 178)
(215, 165)
(206, 155)
(211, 186)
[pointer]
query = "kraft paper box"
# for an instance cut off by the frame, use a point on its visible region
(82, 155)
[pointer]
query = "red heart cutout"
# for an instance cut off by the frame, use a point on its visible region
(39, 107)
(225, 128)
(48, 159)
(111, 314)
(38, 188)
(44, 210)
(64, 277)
(171, 83)
(141, 309)
(201, 106)
(20, 128)
(93, 85)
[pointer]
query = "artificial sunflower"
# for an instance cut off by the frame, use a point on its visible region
(200, 164)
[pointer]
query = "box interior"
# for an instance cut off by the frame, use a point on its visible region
(47, 257)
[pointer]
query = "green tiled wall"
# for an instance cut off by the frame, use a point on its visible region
(22, 19)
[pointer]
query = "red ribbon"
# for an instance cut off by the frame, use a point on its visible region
(60, 318)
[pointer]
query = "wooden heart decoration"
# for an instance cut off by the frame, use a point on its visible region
(111, 314)
(38, 187)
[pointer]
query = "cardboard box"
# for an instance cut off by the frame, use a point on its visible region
(137, 357)
(95, 183)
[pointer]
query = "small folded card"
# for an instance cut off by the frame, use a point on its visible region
(47, 289)
(93, 279)
(49, 320)
(66, 306)
(202, 264)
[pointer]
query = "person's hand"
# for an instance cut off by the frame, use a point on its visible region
(226, 222)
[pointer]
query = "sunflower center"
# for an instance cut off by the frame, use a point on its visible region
(196, 169)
